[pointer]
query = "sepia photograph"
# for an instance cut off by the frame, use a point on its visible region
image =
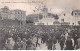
(39, 25)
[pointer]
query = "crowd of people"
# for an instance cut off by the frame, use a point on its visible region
(55, 40)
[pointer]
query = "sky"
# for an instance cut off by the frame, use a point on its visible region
(54, 6)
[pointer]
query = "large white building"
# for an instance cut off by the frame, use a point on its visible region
(48, 18)
(76, 15)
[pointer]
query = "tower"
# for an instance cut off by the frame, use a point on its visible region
(45, 11)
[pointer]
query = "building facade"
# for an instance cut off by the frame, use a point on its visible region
(5, 12)
(47, 18)
(76, 15)
(18, 14)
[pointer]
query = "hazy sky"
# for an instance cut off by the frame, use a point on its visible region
(54, 6)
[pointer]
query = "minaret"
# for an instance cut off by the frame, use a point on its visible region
(45, 11)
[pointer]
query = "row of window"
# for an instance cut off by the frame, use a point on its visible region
(19, 13)
(76, 13)
(15, 12)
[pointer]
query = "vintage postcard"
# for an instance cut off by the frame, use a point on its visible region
(39, 24)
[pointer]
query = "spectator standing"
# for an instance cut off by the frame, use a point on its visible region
(69, 44)
(62, 41)
(24, 44)
(78, 43)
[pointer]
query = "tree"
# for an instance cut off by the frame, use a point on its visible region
(29, 21)
(55, 16)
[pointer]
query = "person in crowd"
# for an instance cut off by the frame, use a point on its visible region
(20, 43)
(66, 34)
(16, 46)
(37, 42)
(24, 44)
(33, 45)
(78, 43)
(12, 42)
(2, 43)
(69, 44)
(57, 46)
(15, 37)
(57, 35)
(8, 46)
(44, 38)
(34, 40)
(50, 43)
(75, 40)
(54, 42)
(62, 41)
(29, 44)
(72, 41)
